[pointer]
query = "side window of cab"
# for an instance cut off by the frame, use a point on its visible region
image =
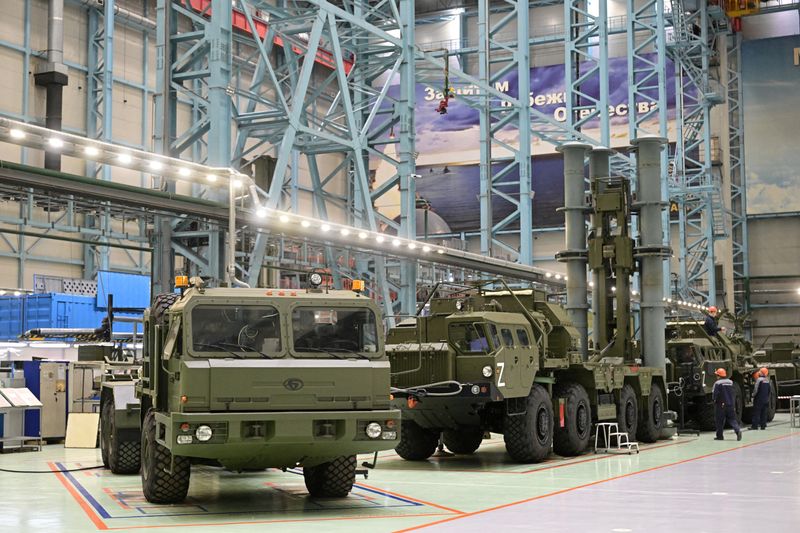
(523, 338)
(508, 337)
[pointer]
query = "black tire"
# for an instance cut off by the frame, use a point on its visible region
(463, 441)
(573, 438)
(738, 402)
(104, 435)
(529, 436)
(416, 443)
(651, 418)
(628, 412)
(747, 415)
(158, 484)
(161, 303)
(773, 400)
(331, 480)
(124, 456)
(705, 414)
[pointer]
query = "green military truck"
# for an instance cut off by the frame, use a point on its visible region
(250, 379)
(784, 359)
(507, 361)
(693, 356)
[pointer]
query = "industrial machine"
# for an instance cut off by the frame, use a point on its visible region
(250, 379)
(489, 358)
(47, 380)
(784, 359)
(693, 355)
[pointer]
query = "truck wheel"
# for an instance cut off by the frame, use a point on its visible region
(416, 442)
(705, 414)
(652, 415)
(773, 400)
(160, 305)
(738, 401)
(529, 436)
(331, 480)
(573, 438)
(747, 415)
(628, 412)
(158, 484)
(463, 441)
(123, 456)
(104, 436)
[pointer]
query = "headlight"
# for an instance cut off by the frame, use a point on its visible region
(475, 389)
(487, 371)
(315, 279)
(460, 305)
(203, 433)
(373, 430)
(184, 439)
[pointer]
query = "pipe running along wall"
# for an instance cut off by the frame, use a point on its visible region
(53, 76)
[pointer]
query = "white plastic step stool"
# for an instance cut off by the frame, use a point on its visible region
(610, 432)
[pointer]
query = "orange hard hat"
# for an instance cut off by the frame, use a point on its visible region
(712, 310)
(764, 371)
(721, 372)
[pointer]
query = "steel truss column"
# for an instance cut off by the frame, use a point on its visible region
(407, 164)
(586, 66)
(505, 166)
(692, 182)
(647, 89)
(99, 108)
(194, 46)
(738, 177)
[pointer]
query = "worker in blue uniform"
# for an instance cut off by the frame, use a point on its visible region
(723, 397)
(761, 395)
(710, 324)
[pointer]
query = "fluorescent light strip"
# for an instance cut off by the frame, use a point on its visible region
(33, 136)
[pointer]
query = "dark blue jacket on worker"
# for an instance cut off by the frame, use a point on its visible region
(711, 327)
(722, 393)
(761, 391)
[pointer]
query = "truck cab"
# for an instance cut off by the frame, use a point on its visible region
(258, 378)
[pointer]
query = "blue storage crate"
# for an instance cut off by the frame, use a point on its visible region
(11, 320)
(55, 310)
(129, 290)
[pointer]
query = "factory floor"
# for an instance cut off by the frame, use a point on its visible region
(688, 483)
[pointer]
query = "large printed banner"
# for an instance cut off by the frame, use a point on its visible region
(771, 79)
(448, 147)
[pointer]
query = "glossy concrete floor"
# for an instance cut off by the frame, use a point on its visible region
(685, 484)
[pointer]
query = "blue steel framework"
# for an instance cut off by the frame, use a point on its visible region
(696, 248)
(736, 171)
(497, 173)
(691, 180)
(194, 63)
(586, 64)
(647, 87)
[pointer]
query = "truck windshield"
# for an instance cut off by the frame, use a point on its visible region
(469, 337)
(342, 330)
(245, 331)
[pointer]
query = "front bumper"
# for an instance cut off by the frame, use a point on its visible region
(431, 410)
(277, 439)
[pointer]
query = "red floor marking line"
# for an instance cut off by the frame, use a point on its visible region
(423, 502)
(116, 498)
(585, 485)
(96, 520)
(600, 457)
(285, 521)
